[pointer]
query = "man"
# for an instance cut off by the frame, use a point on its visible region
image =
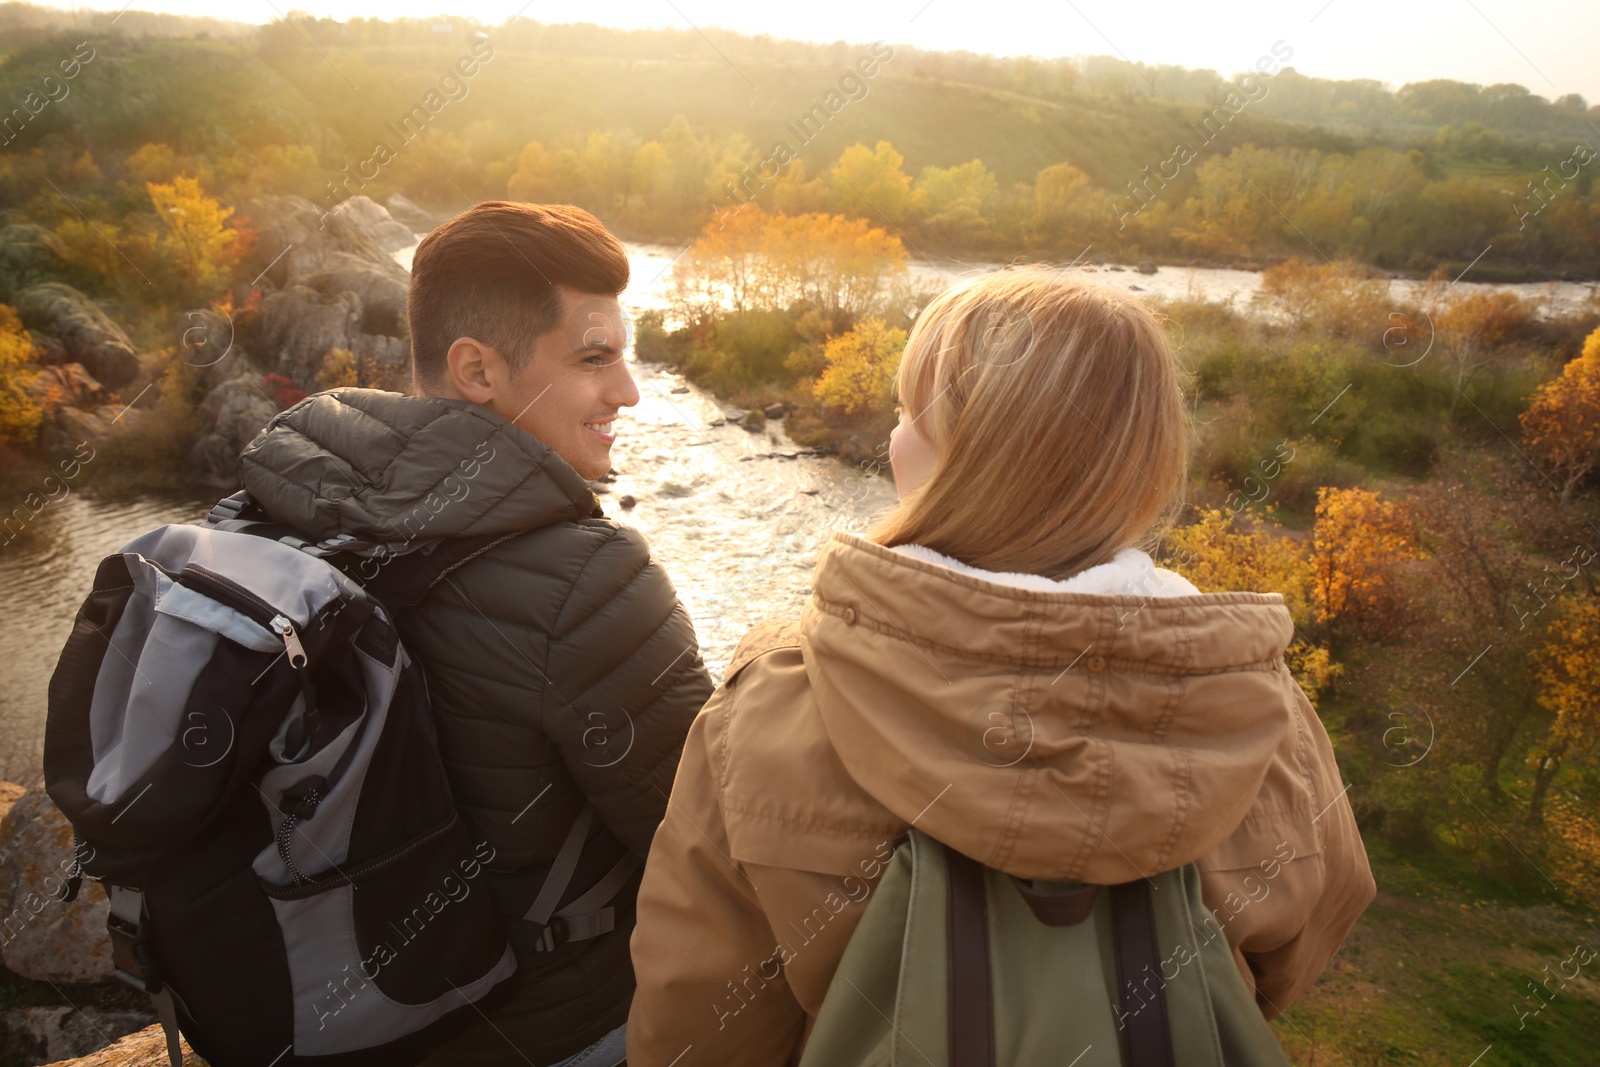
(562, 670)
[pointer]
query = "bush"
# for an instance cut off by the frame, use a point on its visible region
(861, 368)
(19, 414)
(744, 349)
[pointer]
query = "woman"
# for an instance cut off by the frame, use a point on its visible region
(1000, 666)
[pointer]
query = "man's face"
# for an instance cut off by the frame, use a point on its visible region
(568, 394)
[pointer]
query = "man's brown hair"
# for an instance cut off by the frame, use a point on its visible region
(491, 274)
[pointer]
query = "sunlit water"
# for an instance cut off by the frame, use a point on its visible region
(735, 520)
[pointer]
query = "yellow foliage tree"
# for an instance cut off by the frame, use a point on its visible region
(748, 260)
(1334, 298)
(1358, 539)
(19, 414)
(1569, 680)
(1563, 422)
(1058, 191)
(198, 238)
(861, 367)
(871, 182)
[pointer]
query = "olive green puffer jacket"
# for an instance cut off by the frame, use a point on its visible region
(561, 667)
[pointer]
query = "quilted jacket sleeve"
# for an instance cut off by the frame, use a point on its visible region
(625, 682)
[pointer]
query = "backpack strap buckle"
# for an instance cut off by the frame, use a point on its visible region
(590, 915)
(129, 946)
(130, 953)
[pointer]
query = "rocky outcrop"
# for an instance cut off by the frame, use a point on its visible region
(29, 255)
(404, 210)
(147, 1048)
(66, 383)
(378, 222)
(328, 283)
(336, 286)
(83, 333)
(232, 414)
(301, 242)
(43, 937)
(46, 1035)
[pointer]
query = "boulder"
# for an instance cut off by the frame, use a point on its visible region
(298, 240)
(375, 219)
(10, 793)
(45, 1035)
(29, 255)
(65, 428)
(47, 349)
(231, 414)
(66, 383)
(774, 411)
(380, 291)
(299, 326)
(147, 1048)
(754, 420)
(1146, 266)
(336, 286)
(86, 334)
(45, 938)
(406, 211)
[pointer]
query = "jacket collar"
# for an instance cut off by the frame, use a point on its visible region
(389, 467)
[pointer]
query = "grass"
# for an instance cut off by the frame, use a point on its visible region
(1432, 975)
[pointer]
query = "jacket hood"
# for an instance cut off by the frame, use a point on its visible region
(387, 467)
(1051, 734)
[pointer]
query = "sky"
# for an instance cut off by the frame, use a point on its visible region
(1546, 45)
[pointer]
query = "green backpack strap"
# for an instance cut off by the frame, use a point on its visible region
(971, 990)
(1148, 1035)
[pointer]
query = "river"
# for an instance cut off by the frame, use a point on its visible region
(734, 520)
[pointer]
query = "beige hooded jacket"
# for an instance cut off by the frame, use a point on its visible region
(1050, 734)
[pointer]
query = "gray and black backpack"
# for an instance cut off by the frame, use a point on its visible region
(246, 754)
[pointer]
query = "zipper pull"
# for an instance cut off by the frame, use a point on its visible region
(284, 628)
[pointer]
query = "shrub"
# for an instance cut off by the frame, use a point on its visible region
(19, 413)
(861, 367)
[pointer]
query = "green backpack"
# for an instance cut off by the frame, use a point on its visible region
(959, 965)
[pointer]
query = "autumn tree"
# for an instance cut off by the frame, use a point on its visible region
(197, 238)
(871, 182)
(951, 200)
(1335, 299)
(748, 260)
(1569, 679)
(1065, 205)
(19, 413)
(545, 177)
(1482, 600)
(1357, 543)
(1562, 425)
(1474, 328)
(861, 367)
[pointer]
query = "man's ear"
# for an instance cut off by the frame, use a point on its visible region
(473, 370)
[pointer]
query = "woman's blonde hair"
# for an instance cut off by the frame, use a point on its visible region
(1057, 417)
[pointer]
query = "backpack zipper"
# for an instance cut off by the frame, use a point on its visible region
(297, 802)
(249, 605)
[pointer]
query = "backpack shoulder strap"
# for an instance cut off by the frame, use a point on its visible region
(125, 922)
(396, 575)
(590, 915)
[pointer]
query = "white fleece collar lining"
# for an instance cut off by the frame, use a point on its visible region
(1129, 573)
